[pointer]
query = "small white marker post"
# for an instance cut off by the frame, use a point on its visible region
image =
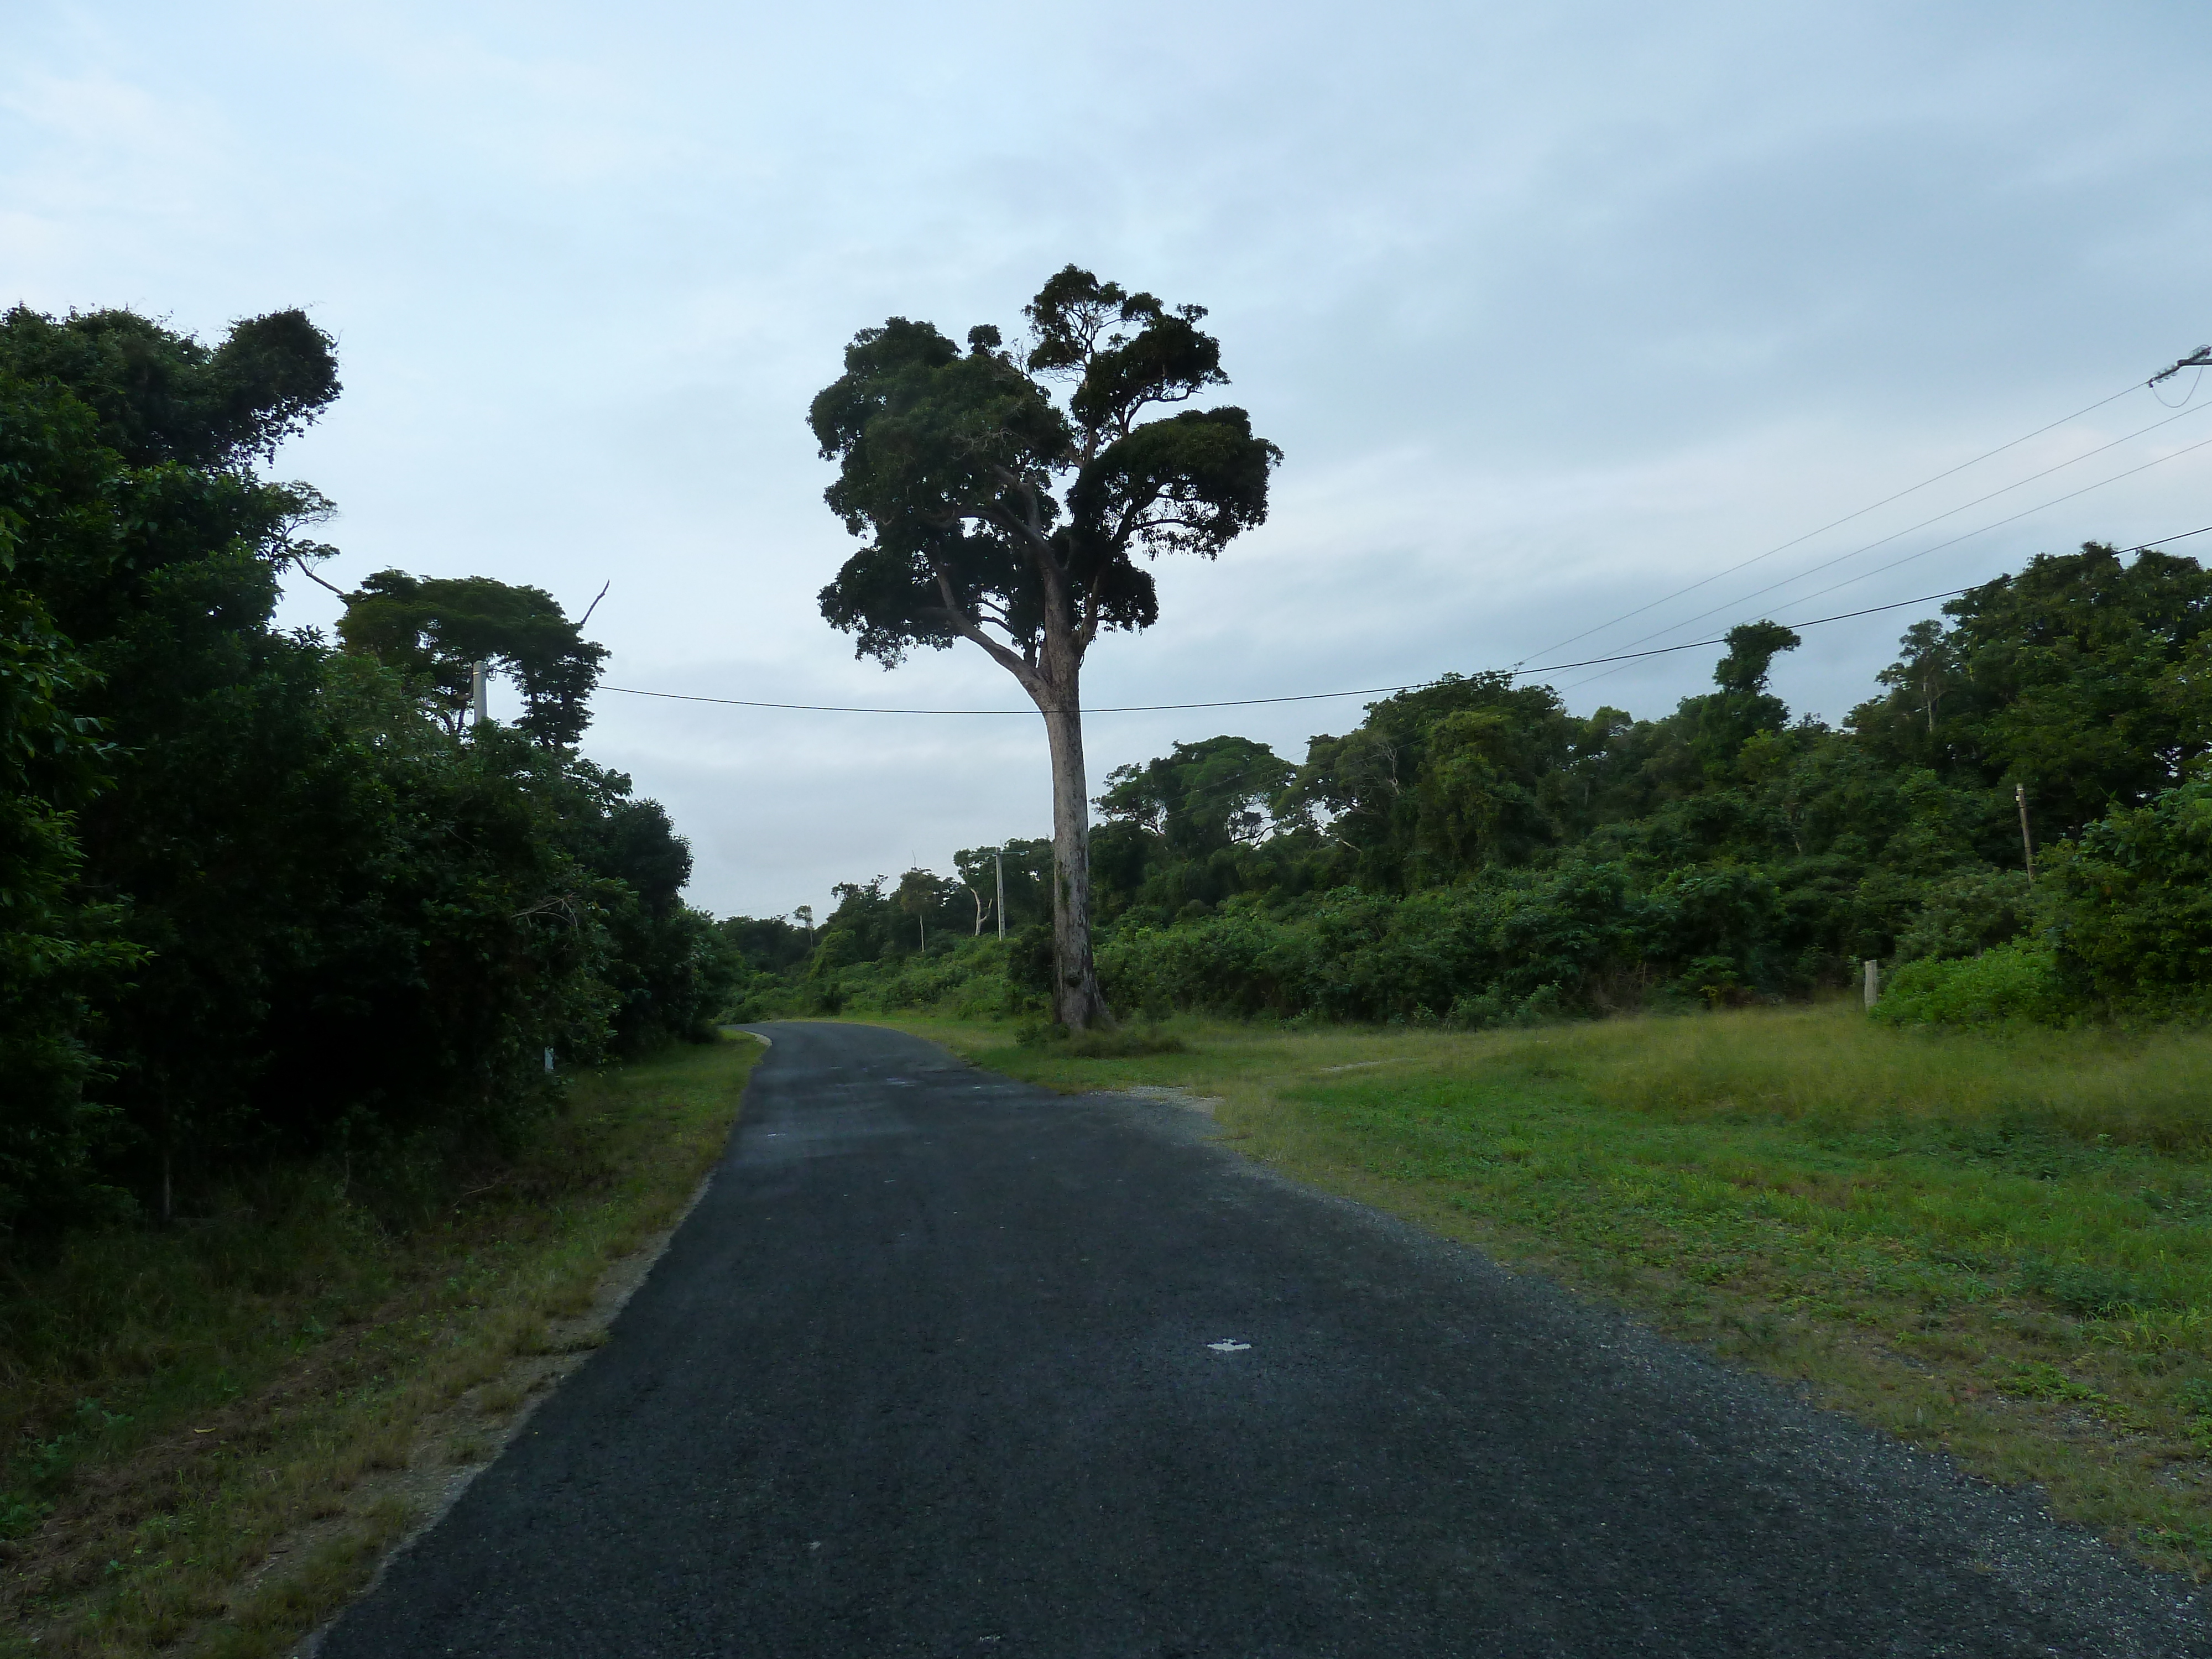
(1873, 981)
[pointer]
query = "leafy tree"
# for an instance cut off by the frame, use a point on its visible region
(766, 943)
(253, 901)
(2083, 678)
(1439, 780)
(1743, 708)
(59, 955)
(161, 396)
(995, 515)
(1028, 865)
(1201, 797)
(434, 631)
(2132, 905)
(922, 895)
(163, 584)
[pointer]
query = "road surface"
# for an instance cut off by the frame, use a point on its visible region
(945, 1364)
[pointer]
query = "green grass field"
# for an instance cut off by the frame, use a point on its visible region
(1996, 1245)
(191, 1416)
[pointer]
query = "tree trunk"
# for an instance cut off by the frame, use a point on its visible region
(1076, 1001)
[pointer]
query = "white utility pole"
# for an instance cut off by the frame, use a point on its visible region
(999, 858)
(476, 691)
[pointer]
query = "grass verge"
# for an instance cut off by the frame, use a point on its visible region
(213, 1433)
(1997, 1245)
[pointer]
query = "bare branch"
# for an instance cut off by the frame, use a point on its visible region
(308, 571)
(966, 626)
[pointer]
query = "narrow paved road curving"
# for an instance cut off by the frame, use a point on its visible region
(944, 1365)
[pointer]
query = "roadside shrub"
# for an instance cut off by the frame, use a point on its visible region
(1968, 914)
(2133, 906)
(2009, 983)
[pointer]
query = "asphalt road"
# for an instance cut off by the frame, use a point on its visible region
(946, 1365)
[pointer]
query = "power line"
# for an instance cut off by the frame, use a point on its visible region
(1249, 784)
(1592, 662)
(1367, 691)
(2025, 512)
(2141, 547)
(2200, 355)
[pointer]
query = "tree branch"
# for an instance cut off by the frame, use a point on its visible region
(967, 628)
(1088, 630)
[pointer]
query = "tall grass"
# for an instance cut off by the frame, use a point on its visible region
(176, 1402)
(1830, 1068)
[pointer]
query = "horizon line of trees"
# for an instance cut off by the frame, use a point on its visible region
(1473, 852)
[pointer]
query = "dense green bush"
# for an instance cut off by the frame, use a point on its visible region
(2125, 928)
(1967, 913)
(260, 896)
(1473, 854)
(2132, 906)
(2008, 982)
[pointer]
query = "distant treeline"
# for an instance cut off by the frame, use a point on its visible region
(1473, 854)
(264, 894)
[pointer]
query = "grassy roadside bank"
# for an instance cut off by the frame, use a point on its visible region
(212, 1433)
(1996, 1246)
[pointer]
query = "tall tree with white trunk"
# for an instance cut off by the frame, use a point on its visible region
(996, 512)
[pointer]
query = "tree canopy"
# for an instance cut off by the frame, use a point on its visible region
(434, 631)
(255, 902)
(992, 511)
(995, 512)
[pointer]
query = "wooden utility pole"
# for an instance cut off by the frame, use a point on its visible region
(1873, 981)
(2027, 847)
(999, 859)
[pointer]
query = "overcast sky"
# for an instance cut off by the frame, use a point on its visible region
(1554, 310)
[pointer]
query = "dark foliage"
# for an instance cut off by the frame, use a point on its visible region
(435, 632)
(1472, 853)
(258, 897)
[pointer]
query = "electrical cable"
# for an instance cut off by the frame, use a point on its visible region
(2195, 381)
(1383, 691)
(1243, 788)
(2141, 547)
(1553, 668)
(1987, 455)
(2025, 512)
